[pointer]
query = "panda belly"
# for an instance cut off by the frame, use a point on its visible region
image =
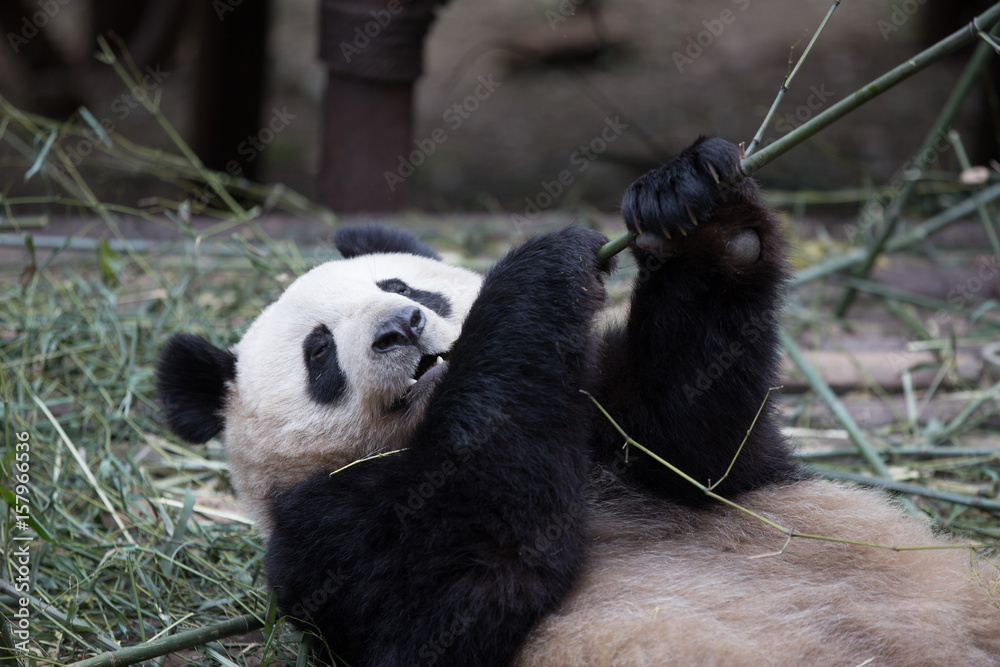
(713, 587)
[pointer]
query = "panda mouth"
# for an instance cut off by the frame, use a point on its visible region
(430, 369)
(429, 366)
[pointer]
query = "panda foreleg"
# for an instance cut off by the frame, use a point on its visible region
(449, 552)
(688, 372)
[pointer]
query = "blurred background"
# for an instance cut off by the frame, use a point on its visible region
(507, 95)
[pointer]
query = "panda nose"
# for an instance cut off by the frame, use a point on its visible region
(402, 329)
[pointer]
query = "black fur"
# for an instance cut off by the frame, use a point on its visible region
(437, 302)
(371, 239)
(688, 373)
(326, 379)
(449, 552)
(191, 384)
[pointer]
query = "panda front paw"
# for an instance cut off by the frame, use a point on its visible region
(681, 198)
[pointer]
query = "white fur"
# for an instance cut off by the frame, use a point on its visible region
(276, 434)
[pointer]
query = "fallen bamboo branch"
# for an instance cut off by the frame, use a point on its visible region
(173, 643)
(986, 504)
(919, 234)
(951, 107)
(840, 413)
(898, 74)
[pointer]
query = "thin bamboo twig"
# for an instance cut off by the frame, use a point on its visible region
(897, 75)
(788, 81)
(84, 468)
(739, 450)
(173, 643)
(71, 626)
(913, 489)
(984, 215)
(920, 233)
(108, 56)
(980, 56)
(773, 524)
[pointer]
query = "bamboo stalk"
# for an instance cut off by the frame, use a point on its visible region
(820, 386)
(947, 114)
(788, 81)
(840, 413)
(897, 75)
(927, 451)
(914, 489)
(919, 234)
(984, 216)
(173, 643)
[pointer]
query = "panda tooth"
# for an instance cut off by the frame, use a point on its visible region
(439, 360)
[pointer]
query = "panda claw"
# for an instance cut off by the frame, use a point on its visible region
(691, 215)
(712, 171)
(410, 382)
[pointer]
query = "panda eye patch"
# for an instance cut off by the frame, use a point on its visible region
(436, 301)
(394, 286)
(325, 378)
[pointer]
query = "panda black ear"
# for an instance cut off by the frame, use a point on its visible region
(372, 239)
(191, 379)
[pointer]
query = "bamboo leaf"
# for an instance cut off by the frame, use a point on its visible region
(10, 498)
(40, 160)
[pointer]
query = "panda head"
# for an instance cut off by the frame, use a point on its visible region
(340, 367)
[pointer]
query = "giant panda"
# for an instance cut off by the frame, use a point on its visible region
(435, 488)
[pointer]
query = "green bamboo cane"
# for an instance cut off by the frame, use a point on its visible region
(174, 643)
(915, 489)
(919, 234)
(900, 73)
(854, 432)
(757, 138)
(951, 108)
